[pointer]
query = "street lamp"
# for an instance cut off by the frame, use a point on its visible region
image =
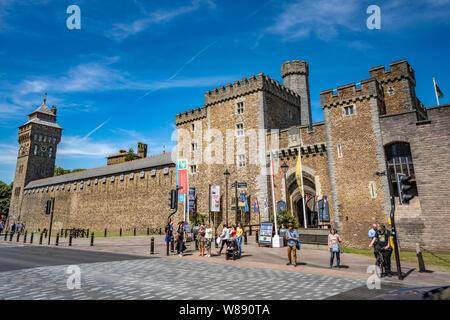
(226, 174)
(285, 167)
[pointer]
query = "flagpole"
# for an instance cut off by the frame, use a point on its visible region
(303, 192)
(273, 195)
(435, 91)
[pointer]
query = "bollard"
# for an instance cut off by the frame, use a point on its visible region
(256, 238)
(31, 238)
(160, 231)
(6, 235)
(148, 231)
(25, 237)
(11, 236)
(196, 244)
(18, 236)
(215, 241)
(250, 230)
(65, 234)
(92, 239)
(152, 246)
(120, 232)
(172, 245)
(57, 239)
(135, 232)
(245, 238)
(70, 240)
(40, 238)
(106, 232)
(420, 259)
(87, 233)
(45, 234)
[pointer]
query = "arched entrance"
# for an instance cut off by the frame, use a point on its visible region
(295, 198)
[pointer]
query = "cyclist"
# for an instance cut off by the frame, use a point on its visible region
(382, 246)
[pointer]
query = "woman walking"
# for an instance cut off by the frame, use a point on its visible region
(239, 232)
(181, 238)
(333, 246)
(208, 239)
(201, 240)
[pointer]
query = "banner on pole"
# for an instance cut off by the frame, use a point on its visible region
(192, 207)
(215, 199)
(182, 179)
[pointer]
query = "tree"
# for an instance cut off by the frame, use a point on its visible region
(130, 156)
(197, 219)
(5, 197)
(284, 218)
(60, 171)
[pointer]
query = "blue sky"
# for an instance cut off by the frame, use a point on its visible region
(135, 64)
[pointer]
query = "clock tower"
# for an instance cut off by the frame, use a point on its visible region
(38, 140)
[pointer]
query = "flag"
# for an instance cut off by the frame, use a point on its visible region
(307, 197)
(298, 172)
(255, 205)
(324, 200)
(439, 93)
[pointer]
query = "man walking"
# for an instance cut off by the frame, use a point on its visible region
(292, 239)
(372, 233)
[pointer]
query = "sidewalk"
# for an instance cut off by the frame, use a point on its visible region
(310, 261)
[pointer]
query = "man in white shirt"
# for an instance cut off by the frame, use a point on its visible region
(224, 237)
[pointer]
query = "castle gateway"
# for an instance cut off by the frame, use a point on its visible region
(375, 125)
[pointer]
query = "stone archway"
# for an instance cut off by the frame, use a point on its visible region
(295, 196)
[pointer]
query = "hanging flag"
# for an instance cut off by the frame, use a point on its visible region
(255, 205)
(439, 93)
(247, 209)
(298, 172)
(307, 197)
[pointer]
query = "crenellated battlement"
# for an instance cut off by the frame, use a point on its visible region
(191, 115)
(294, 67)
(350, 93)
(248, 86)
(398, 70)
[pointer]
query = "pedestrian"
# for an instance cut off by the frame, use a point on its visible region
(224, 237)
(12, 227)
(381, 243)
(372, 232)
(239, 232)
(181, 238)
(333, 246)
(292, 240)
(208, 239)
(233, 231)
(201, 241)
(2, 226)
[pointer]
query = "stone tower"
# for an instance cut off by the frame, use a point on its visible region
(295, 77)
(142, 149)
(38, 140)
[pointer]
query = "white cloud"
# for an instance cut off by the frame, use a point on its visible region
(122, 31)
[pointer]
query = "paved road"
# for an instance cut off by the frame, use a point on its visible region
(118, 276)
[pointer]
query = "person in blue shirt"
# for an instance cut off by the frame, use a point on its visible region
(372, 234)
(292, 239)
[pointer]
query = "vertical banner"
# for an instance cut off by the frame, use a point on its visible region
(324, 213)
(192, 200)
(215, 199)
(182, 179)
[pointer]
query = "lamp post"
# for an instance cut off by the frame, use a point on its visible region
(226, 174)
(285, 167)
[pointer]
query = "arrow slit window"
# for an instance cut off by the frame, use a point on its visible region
(399, 160)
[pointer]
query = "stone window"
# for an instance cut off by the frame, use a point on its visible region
(89, 182)
(349, 110)
(121, 177)
(104, 180)
(339, 150)
(240, 129)
(240, 108)
(131, 175)
(50, 152)
(372, 190)
(36, 150)
(153, 172)
(40, 138)
(142, 174)
(96, 181)
(35, 137)
(194, 147)
(241, 160)
(391, 91)
(166, 170)
(194, 169)
(193, 127)
(113, 178)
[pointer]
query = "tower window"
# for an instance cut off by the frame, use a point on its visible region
(339, 150)
(36, 150)
(193, 127)
(194, 169)
(40, 138)
(373, 193)
(349, 110)
(240, 129)
(194, 147)
(242, 160)
(240, 107)
(50, 152)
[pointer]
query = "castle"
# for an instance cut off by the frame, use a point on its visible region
(375, 125)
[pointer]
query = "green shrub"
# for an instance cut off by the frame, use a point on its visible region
(284, 218)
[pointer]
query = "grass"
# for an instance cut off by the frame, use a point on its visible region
(442, 261)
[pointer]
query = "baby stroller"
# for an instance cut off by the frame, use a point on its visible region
(232, 249)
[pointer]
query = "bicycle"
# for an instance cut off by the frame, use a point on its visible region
(379, 263)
